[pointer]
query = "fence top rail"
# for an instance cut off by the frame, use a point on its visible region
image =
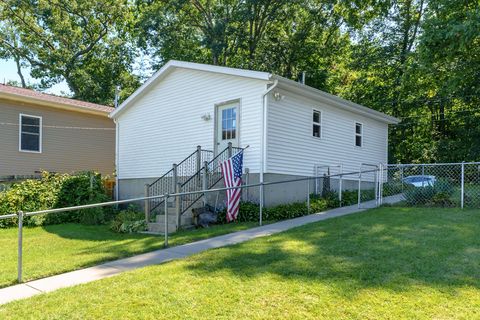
(8, 216)
(109, 203)
(430, 164)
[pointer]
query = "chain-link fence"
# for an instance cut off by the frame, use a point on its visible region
(433, 185)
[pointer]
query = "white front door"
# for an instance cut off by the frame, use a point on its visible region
(227, 126)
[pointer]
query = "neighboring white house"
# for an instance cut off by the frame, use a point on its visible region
(289, 127)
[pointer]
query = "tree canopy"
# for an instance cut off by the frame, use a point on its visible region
(418, 60)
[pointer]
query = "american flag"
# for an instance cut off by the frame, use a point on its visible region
(232, 175)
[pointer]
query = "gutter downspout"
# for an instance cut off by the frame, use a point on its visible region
(117, 133)
(264, 142)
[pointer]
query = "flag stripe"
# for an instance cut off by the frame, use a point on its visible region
(232, 176)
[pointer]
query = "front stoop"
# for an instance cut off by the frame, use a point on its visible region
(159, 225)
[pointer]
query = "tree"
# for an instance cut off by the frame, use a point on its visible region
(84, 43)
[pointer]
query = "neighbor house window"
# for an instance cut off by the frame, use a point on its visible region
(317, 123)
(358, 134)
(30, 132)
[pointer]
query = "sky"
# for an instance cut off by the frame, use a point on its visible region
(8, 71)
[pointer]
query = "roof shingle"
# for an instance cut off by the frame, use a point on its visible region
(22, 92)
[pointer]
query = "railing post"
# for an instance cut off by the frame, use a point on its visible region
(359, 187)
(178, 208)
(308, 195)
(230, 149)
(205, 182)
(462, 195)
(166, 221)
(199, 158)
(147, 204)
(376, 179)
(247, 181)
(174, 178)
(261, 204)
(20, 247)
(340, 182)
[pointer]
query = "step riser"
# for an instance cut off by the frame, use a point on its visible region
(160, 228)
(173, 220)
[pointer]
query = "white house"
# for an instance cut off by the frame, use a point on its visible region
(289, 127)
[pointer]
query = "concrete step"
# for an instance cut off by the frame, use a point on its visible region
(160, 228)
(186, 219)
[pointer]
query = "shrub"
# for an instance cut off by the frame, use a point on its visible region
(392, 188)
(442, 199)
(128, 221)
(247, 212)
(437, 195)
(444, 186)
(56, 191)
(286, 211)
(419, 195)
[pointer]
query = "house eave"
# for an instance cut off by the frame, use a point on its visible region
(52, 104)
(173, 64)
(315, 94)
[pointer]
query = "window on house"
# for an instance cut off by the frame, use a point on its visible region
(358, 134)
(229, 123)
(317, 124)
(30, 133)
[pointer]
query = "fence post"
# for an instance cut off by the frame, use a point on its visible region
(166, 221)
(230, 149)
(205, 182)
(147, 204)
(340, 182)
(462, 194)
(247, 181)
(308, 195)
(359, 186)
(178, 208)
(376, 178)
(20, 247)
(261, 204)
(199, 158)
(401, 176)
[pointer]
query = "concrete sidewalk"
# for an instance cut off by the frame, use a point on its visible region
(112, 268)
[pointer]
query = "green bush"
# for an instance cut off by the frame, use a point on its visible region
(128, 221)
(56, 191)
(286, 211)
(442, 199)
(247, 212)
(392, 188)
(437, 195)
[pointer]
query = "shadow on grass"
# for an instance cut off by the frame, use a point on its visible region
(390, 248)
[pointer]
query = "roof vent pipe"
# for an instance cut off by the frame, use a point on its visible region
(117, 96)
(303, 76)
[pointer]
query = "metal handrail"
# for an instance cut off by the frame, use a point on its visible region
(191, 202)
(164, 175)
(170, 195)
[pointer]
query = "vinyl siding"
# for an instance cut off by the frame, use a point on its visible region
(292, 149)
(164, 125)
(63, 150)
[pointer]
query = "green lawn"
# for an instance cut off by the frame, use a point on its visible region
(55, 249)
(390, 263)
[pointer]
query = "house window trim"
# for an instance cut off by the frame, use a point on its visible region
(361, 134)
(317, 123)
(20, 133)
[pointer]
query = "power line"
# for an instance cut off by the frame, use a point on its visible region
(56, 127)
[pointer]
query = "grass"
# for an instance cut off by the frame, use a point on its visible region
(56, 249)
(389, 263)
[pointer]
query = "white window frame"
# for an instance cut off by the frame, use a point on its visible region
(317, 123)
(358, 134)
(20, 133)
